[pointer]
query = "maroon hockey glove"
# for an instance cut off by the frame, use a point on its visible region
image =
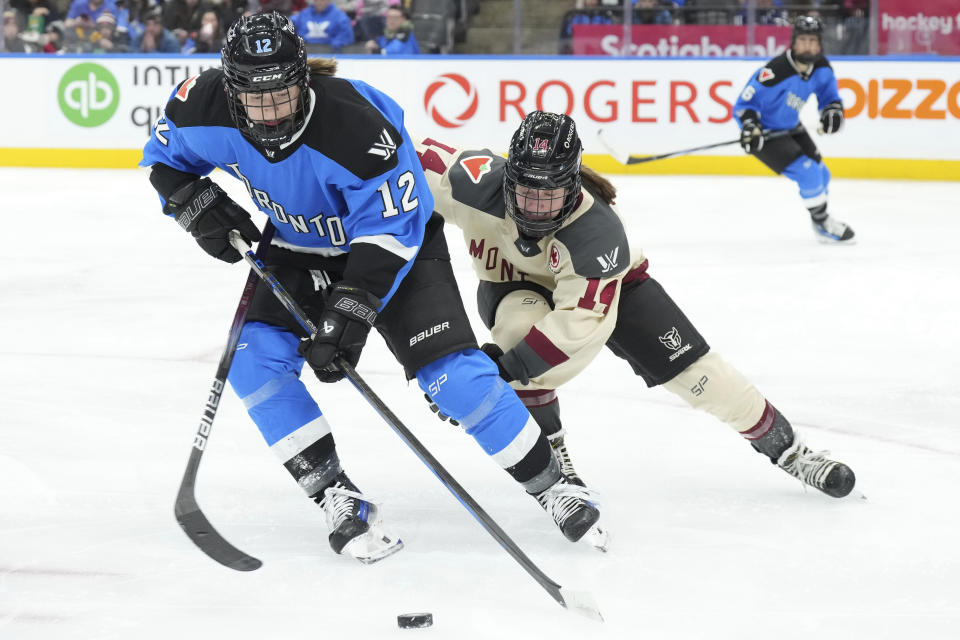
(205, 211)
(342, 329)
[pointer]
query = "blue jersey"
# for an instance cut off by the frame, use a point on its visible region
(351, 177)
(778, 91)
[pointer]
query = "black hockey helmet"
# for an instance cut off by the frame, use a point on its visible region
(807, 26)
(544, 154)
(263, 54)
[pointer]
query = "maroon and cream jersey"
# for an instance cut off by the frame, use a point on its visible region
(583, 265)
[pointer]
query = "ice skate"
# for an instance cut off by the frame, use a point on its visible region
(571, 509)
(559, 448)
(355, 523)
(815, 469)
(832, 231)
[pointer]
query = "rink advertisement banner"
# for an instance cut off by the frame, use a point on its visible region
(907, 26)
(683, 41)
(97, 111)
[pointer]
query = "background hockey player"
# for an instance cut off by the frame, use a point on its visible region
(772, 100)
(328, 160)
(559, 280)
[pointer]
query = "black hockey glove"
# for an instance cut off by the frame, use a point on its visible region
(440, 414)
(204, 210)
(342, 329)
(495, 353)
(831, 118)
(751, 135)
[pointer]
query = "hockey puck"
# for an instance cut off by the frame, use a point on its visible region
(414, 620)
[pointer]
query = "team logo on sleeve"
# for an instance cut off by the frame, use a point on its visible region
(184, 91)
(765, 74)
(385, 148)
(554, 262)
(672, 340)
(477, 167)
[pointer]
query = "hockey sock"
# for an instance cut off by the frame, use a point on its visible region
(315, 467)
(544, 406)
(772, 435)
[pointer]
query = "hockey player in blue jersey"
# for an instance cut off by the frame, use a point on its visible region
(772, 100)
(357, 244)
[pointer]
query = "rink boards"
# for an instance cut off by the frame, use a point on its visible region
(903, 115)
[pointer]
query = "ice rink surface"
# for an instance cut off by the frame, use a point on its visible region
(113, 321)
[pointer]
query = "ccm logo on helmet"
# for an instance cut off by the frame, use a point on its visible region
(272, 76)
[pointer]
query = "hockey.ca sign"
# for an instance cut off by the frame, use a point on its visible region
(907, 26)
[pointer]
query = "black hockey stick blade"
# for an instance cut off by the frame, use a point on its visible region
(623, 157)
(188, 513)
(208, 539)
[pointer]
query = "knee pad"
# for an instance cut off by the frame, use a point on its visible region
(714, 386)
(265, 374)
(466, 386)
(811, 177)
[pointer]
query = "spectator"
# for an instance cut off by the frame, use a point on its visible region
(127, 11)
(155, 39)
(182, 14)
(371, 17)
(766, 14)
(209, 38)
(591, 13)
(324, 23)
(54, 37)
(266, 6)
(39, 13)
(647, 12)
(397, 38)
(76, 38)
(187, 45)
(107, 38)
(855, 27)
(90, 8)
(12, 38)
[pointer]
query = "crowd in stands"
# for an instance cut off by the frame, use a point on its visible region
(389, 27)
(850, 15)
(199, 26)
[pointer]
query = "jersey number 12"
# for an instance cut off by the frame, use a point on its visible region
(406, 182)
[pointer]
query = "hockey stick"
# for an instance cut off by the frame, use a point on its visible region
(192, 520)
(625, 158)
(579, 601)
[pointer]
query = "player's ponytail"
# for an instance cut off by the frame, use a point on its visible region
(599, 186)
(322, 66)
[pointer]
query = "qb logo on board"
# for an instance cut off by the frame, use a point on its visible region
(88, 94)
(450, 94)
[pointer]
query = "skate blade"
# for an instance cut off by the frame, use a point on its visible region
(597, 537)
(373, 546)
(830, 240)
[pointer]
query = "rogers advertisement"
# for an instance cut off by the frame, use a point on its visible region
(680, 41)
(905, 28)
(894, 108)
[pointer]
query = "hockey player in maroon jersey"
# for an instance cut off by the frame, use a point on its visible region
(559, 280)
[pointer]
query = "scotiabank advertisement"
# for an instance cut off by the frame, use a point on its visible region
(908, 26)
(895, 108)
(680, 41)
